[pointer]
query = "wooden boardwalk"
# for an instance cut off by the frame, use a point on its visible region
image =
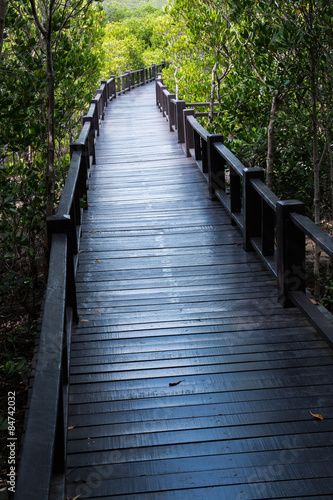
(167, 295)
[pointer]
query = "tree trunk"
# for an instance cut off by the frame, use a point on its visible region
(50, 171)
(2, 22)
(212, 95)
(176, 83)
(270, 142)
(315, 160)
(330, 161)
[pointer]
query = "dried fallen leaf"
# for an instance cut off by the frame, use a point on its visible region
(70, 428)
(77, 496)
(238, 244)
(92, 231)
(175, 383)
(313, 301)
(97, 260)
(80, 251)
(84, 320)
(318, 416)
(96, 313)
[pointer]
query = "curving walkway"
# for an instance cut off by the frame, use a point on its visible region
(188, 380)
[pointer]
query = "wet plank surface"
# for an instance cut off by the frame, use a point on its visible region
(167, 295)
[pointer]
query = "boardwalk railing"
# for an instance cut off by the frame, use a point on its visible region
(275, 229)
(173, 109)
(43, 458)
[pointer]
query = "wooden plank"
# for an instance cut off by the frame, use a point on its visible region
(267, 341)
(257, 369)
(99, 403)
(178, 293)
(257, 490)
(229, 447)
(185, 351)
(211, 328)
(194, 423)
(209, 478)
(197, 464)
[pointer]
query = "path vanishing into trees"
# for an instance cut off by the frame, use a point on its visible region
(188, 380)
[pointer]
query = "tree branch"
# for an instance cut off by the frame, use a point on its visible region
(36, 19)
(2, 22)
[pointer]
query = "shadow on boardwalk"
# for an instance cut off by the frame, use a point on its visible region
(188, 380)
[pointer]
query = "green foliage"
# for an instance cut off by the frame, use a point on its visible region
(123, 50)
(9, 366)
(117, 11)
(23, 136)
(260, 51)
(3, 424)
(131, 42)
(21, 228)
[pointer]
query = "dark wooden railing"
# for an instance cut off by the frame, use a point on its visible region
(275, 229)
(43, 457)
(173, 109)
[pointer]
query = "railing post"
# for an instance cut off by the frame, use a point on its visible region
(158, 84)
(101, 102)
(142, 74)
(105, 92)
(96, 115)
(157, 91)
(84, 166)
(169, 97)
(172, 115)
(162, 100)
(92, 133)
(154, 71)
(251, 206)
(128, 80)
(180, 106)
(64, 224)
(113, 91)
(291, 273)
(216, 175)
(188, 131)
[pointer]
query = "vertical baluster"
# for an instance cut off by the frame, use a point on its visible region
(180, 107)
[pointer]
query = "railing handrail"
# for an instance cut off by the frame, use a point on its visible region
(199, 129)
(230, 158)
(43, 456)
(315, 233)
(275, 229)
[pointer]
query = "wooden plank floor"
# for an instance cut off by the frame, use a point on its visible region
(167, 294)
